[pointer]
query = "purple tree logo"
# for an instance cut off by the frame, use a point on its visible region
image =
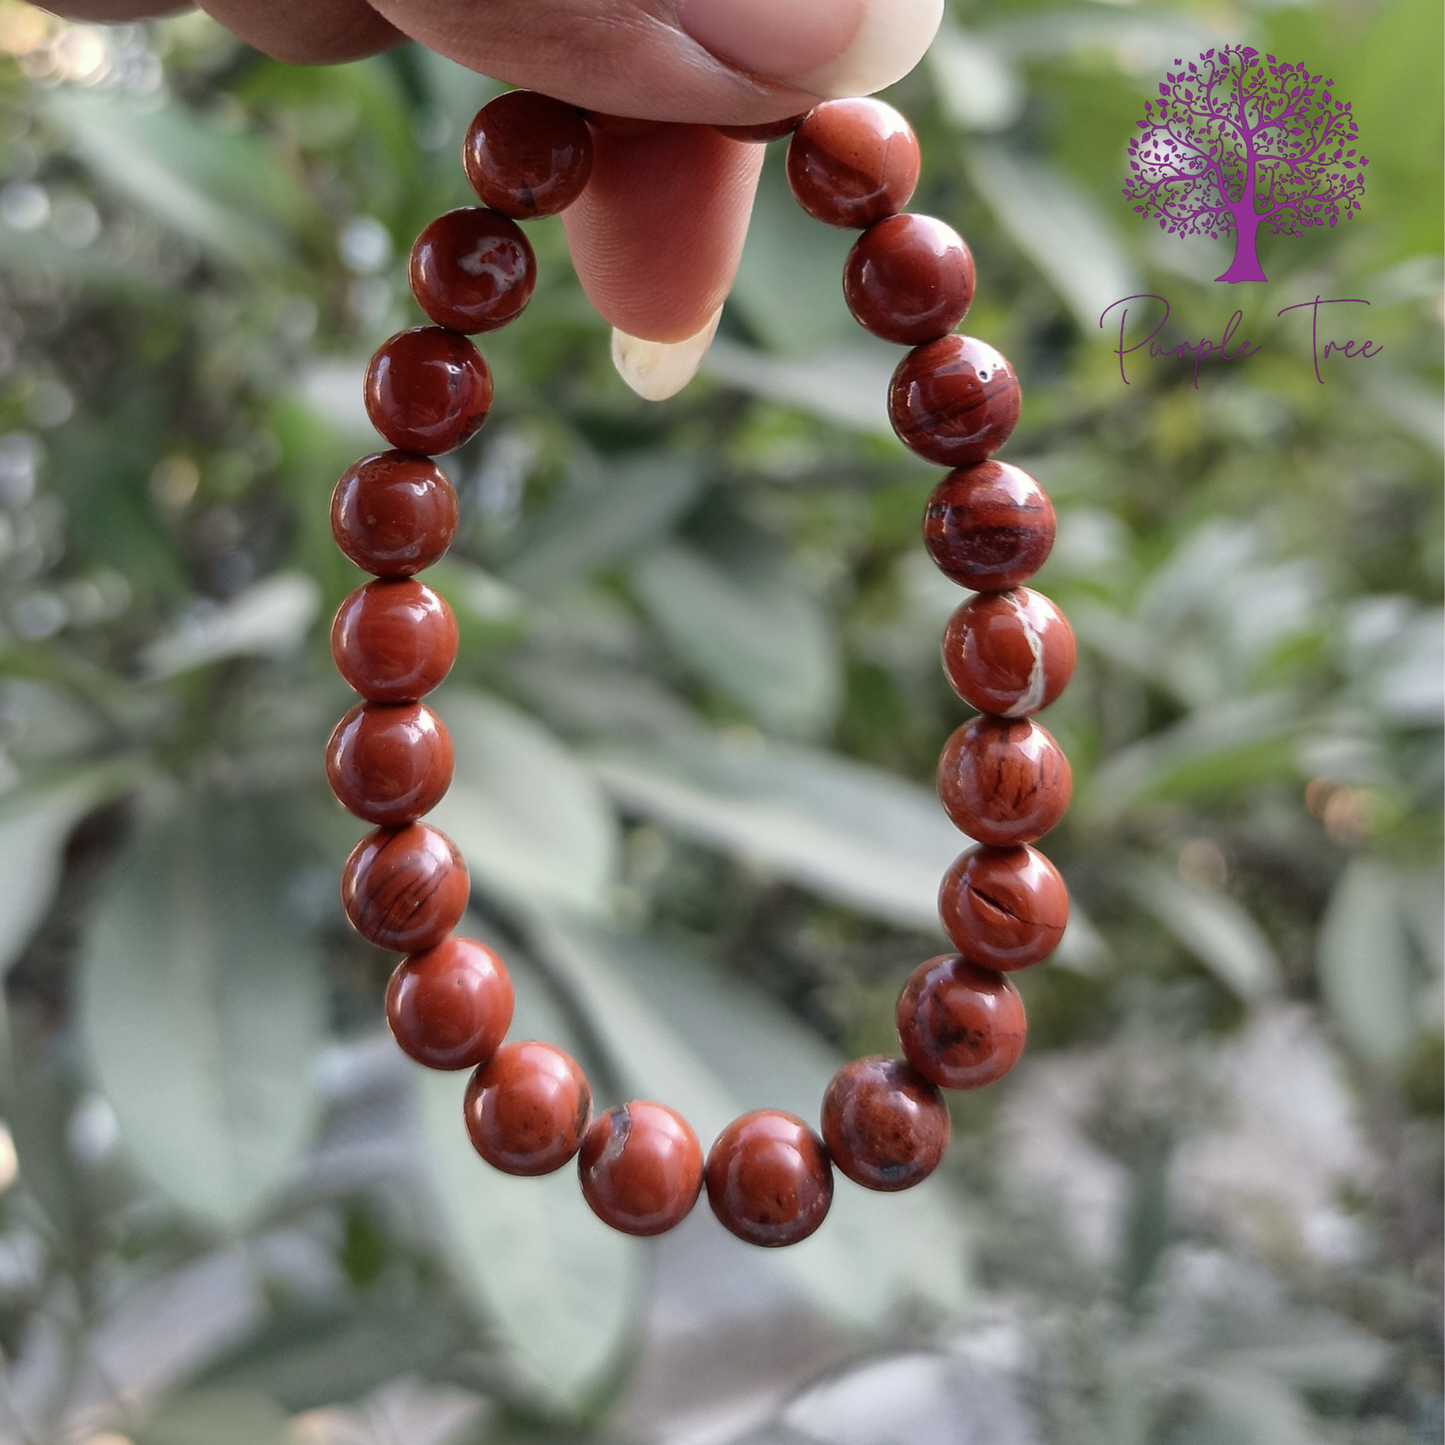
(1239, 141)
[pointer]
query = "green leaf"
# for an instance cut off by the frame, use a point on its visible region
(1367, 972)
(1219, 932)
(975, 83)
(845, 386)
(217, 1417)
(705, 1043)
(202, 1002)
(752, 631)
(529, 818)
(560, 1289)
(855, 834)
(270, 616)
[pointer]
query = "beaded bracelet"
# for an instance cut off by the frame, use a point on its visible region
(1007, 651)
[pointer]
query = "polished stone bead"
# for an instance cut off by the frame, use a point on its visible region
(641, 1167)
(765, 131)
(472, 270)
(394, 514)
(1009, 653)
(450, 1007)
(1005, 908)
(909, 279)
(1004, 781)
(394, 641)
(768, 1178)
(389, 762)
(428, 390)
(528, 155)
(853, 162)
(989, 526)
(954, 400)
(527, 1108)
(885, 1125)
(961, 1026)
(405, 888)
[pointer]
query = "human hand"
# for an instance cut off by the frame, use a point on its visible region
(657, 234)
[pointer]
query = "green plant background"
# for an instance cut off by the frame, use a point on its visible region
(696, 712)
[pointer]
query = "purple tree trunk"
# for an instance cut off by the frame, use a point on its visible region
(1245, 266)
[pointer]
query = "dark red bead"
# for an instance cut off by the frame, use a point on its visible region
(641, 1168)
(954, 400)
(961, 1026)
(852, 162)
(472, 270)
(1009, 653)
(394, 514)
(1004, 908)
(528, 155)
(989, 526)
(405, 888)
(768, 1178)
(428, 390)
(389, 762)
(909, 279)
(763, 132)
(451, 1006)
(885, 1125)
(1003, 781)
(527, 1108)
(394, 641)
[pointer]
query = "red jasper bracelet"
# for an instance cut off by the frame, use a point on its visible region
(1007, 651)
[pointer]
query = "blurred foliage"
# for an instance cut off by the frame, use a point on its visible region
(696, 714)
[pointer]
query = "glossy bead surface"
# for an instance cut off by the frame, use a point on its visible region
(768, 1178)
(394, 514)
(641, 1167)
(527, 1108)
(1004, 908)
(960, 1025)
(405, 888)
(765, 131)
(1003, 781)
(853, 162)
(428, 390)
(909, 279)
(954, 400)
(394, 641)
(528, 155)
(389, 762)
(472, 270)
(885, 1125)
(450, 1007)
(989, 527)
(1009, 653)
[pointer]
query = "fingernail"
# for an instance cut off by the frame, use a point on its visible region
(656, 370)
(824, 47)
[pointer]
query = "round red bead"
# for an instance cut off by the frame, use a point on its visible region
(768, 1178)
(1004, 908)
(853, 162)
(960, 1025)
(472, 270)
(989, 526)
(389, 762)
(393, 641)
(1003, 781)
(450, 1007)
(909, 279)
(405, 888)
(764, 131)
(528, 155)
(885, 1125)
(428, 390)
(527, 1108)
(954, 400)
(394, 514)
(641, 1168)
(1009, 653)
